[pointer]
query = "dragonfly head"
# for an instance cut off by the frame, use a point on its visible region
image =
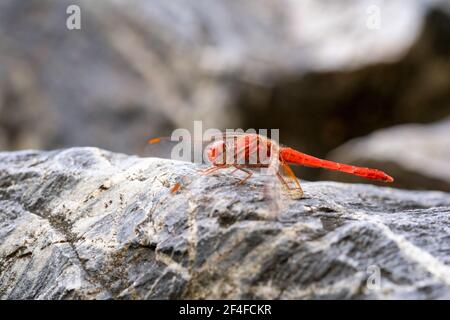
(216, 152)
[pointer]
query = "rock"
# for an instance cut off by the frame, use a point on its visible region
(91, 224)
(321, 109)
(416, 155)
(310, 68)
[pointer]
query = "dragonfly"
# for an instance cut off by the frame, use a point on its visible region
(248, 151)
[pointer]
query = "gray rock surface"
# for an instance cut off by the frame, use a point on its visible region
(416, 155)
(87, 223)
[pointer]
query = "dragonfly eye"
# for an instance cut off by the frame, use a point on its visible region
(216, 151)
(212, 154)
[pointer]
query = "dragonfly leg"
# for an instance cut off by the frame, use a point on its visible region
(249, 174)
(236, 169)
(212, 169)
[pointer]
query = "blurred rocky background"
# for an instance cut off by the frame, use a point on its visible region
(323, 72)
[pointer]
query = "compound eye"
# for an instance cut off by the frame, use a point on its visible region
(217, 153)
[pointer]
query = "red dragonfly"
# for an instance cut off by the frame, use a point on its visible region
(244, 151)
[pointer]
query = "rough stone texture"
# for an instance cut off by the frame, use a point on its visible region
(416, 155)
(87, 223)
(139, 68)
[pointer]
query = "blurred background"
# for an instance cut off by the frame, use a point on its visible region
(364, 82)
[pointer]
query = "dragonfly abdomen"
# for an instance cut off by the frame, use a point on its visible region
(295, 157)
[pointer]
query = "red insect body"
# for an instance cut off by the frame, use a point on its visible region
(298, 158)
(250, 144)
(243, 151)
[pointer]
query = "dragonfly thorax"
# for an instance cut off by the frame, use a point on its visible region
(248, 150)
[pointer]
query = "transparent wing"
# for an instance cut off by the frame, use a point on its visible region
(282, 186)
(271, 183)
(169, 148)
(289, 181)
(193, 150)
